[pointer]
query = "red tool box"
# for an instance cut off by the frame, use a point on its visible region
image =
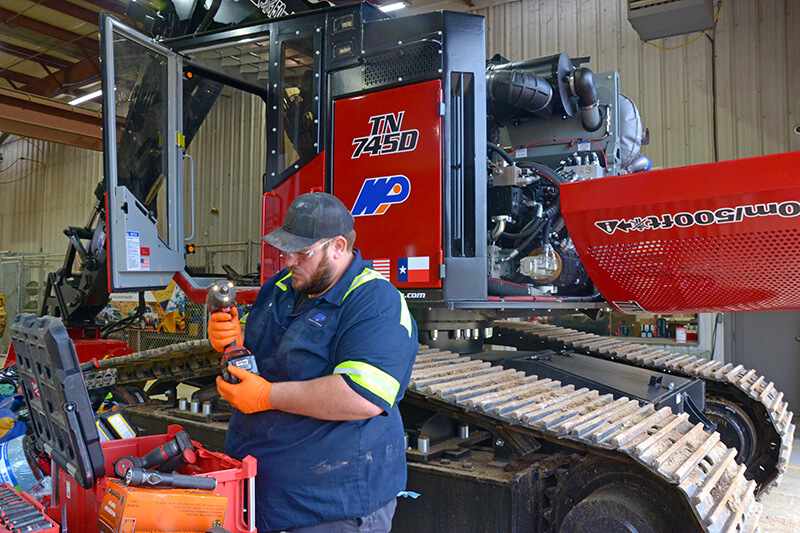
(64, 427)
(235, 480)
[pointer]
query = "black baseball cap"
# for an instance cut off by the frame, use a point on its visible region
(310, 217)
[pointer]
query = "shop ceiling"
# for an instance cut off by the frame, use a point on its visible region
(49, 55)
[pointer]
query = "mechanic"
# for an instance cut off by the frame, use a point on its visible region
(335, 344)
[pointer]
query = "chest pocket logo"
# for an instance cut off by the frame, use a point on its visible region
(319, 320)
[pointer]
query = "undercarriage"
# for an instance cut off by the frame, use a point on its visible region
(538, 454)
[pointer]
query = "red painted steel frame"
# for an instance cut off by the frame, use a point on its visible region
(310, 178)
(87, 348)
(706, 238)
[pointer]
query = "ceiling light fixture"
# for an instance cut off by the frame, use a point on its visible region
(86, 97)
(392, 7)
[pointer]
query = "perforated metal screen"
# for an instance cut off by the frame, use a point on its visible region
(747, 272)
(707, 238)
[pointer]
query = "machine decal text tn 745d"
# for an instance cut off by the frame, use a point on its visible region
(386, 137)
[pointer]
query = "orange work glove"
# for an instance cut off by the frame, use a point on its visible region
(249, 396)
(224, 328)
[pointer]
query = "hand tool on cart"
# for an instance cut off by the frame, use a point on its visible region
(168, 457)
(137, 477)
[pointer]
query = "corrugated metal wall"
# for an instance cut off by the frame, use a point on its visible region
(756, 53)
(757, 49)
(44, 187)
(229, 154)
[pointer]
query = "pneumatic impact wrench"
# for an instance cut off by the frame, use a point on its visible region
(222, 297)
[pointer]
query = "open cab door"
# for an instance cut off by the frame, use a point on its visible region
(143, 148)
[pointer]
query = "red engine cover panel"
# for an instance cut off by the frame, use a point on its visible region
(706, 238)
(310, 178)
(387, 169)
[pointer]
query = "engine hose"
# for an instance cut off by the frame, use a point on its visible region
(533, 228)
(499, 287)
(583, 86)
(518, 87)
(551, 213)
(546, 172)
(560, 299)
(502, 153)
(546, 231)
(509, 289)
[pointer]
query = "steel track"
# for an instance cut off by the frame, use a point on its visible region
(693, 464)
(758, 391)
(185, 360)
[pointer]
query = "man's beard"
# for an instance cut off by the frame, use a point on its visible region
(320, 280)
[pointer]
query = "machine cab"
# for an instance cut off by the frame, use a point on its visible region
(389, 128)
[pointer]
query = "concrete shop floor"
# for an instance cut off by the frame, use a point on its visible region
(781, 512)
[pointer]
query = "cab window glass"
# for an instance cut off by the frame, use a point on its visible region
(140, 91)
(297, 128)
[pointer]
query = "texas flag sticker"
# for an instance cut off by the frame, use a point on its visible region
(411, 269)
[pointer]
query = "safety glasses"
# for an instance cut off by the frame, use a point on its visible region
(308, 253)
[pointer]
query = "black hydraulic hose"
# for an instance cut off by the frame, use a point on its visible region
(503, 288)
(546, 232)
(547, 218)
(499, 150)
(544, 171)
(123, 323)
(533, 228)
(550, 175)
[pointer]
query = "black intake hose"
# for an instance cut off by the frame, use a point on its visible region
(518, 88)
(583, 86)
(499, 150)
(502, 288)
(533, 228)
(499, 287)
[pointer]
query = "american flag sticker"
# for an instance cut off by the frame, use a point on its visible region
(383, 267)
(413, 269)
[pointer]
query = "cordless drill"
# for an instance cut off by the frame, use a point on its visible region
(222, 297)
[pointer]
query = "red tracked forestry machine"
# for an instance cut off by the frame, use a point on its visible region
(484, 190)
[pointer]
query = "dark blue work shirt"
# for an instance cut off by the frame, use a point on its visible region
(313, 471)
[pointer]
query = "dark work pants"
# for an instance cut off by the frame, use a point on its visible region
(378, 522)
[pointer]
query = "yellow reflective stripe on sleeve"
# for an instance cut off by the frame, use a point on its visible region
(368, 275)
(371, 378)
(405, 315)
(365, 276)
(280, 284)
